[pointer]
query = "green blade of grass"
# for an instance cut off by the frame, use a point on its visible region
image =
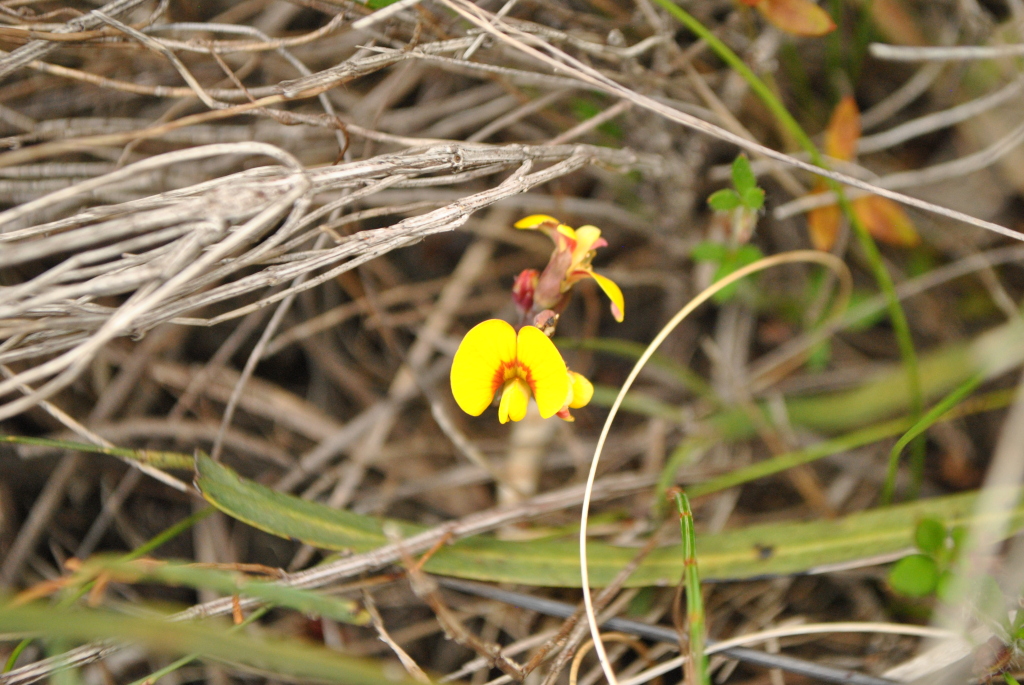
(755, 551)
(226, 583)
(954, 398)
(280, 656)
(156, 458)
(697, 665)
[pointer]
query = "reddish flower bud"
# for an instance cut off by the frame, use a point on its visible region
(523, 289)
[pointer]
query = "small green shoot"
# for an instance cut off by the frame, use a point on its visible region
(930, 572)
(696, 666)
(739, 207)
(728, 259)
(744, 192)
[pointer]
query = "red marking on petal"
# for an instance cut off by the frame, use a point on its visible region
(500, 375)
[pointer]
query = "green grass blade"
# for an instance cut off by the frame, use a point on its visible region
(954, 398)
(281, 656)
(697, 665)
(226, 583)
(156, 458)
(772, 549)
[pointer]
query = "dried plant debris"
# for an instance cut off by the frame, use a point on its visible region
(242, 242)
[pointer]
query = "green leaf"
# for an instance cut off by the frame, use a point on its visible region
(915, 576)
(745, 255)
(378, 4)
(734, 260)
(298, 660)
(1010, 680)
(226, 583)
(753, 199)
(724, 200)
(930, 536)
(770, 549)
(709, 251)
(742, 175)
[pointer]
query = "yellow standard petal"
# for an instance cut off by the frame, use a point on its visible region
(611, 289)
(582, 390)
(484, 357)
(514, 401)
(536, 220)
(543, 368)
(586, 236)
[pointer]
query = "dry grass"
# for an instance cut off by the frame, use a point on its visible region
(260, 228)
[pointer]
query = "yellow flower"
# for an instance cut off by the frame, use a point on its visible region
(582, 243)
(492, 357)
(580, 392)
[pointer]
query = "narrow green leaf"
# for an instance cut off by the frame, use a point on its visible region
(282, 656)
(226, 583)
(772, 549)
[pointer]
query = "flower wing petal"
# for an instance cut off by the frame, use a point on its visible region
(586, 237)
(536, 221)
(514, 401)
(477, 370)
(544, 369)
(582, 390)
(611, 289)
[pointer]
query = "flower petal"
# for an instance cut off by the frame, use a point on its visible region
(536, 221)
(586, 240)
(611, 289)
(480, 363)
(582, 390)
(544, 370)
(514, 401)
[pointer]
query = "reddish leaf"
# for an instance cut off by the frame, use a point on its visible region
(843, 130)
(797, 17)
(886, 221)
(823, 224)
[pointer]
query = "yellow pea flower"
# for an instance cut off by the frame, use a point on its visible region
(581, 390)
(492, 357)
(582, 243)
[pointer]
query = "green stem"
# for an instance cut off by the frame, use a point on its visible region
(156, 458)
(934, 414)
(697, 666)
